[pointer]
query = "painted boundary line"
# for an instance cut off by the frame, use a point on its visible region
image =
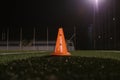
(19, 53)
(110, 51)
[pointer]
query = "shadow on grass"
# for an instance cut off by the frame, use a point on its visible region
(61, 68)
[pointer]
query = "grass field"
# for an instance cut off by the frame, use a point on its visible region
(7, 56)
(39, 65)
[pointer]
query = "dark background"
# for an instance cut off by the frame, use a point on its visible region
(69, 14)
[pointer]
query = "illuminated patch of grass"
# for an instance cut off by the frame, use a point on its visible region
(98, 54)
(11, 57)
(27, 54)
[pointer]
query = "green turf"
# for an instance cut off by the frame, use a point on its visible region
(28, 54)
(98, 53)
(81, 65)
(61, 68)
(18, 55)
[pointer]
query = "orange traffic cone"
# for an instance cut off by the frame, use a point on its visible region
(60, 48)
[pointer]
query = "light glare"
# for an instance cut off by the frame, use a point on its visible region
(96, 2)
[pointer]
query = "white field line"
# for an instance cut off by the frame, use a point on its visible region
(19, 53)
(110, 51)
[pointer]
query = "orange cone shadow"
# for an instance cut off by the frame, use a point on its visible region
(61, 48)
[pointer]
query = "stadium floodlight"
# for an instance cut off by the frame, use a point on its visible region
(96, 3)
(95, 7)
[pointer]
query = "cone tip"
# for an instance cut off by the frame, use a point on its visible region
(60, 28)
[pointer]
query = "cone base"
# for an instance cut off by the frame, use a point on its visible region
(61, 54)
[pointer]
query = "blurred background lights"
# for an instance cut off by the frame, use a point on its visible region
(95, 2)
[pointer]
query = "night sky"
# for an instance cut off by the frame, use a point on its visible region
(40, 14)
